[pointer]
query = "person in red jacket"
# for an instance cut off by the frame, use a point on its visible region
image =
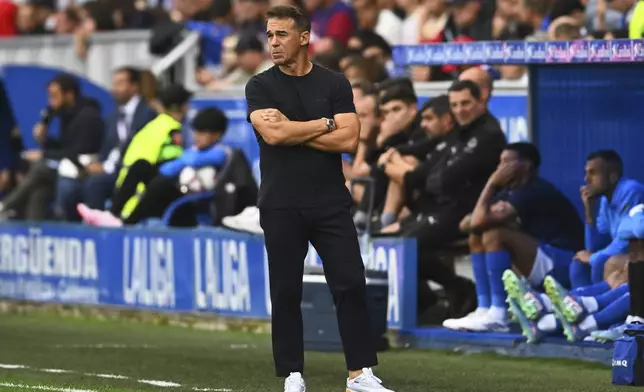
(331, 20)
(8, 13)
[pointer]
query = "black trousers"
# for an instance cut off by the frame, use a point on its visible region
(159, 194)
(32, 197)
(140, 171)
(433, 231)
(333, 234)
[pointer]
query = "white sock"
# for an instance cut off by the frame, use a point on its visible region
(480, 310)
(637, 319)
(629, 319)
(547, 323)
(497, 313)
(589, 324)
(546, 303)
(590, 303)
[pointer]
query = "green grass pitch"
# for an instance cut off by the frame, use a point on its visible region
(47, 352)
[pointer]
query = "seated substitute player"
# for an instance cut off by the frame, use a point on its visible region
(209, 126)
(615, 195)
(631, 229)
(520, 220)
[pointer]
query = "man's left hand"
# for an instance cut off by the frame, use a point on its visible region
(386, 156)
(392, 228)
(95, 168)
(583, 256)
(396, 158)
(273, 115)
(32, 155)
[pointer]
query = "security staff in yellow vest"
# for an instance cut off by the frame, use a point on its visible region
(636, 25)
(159, 141)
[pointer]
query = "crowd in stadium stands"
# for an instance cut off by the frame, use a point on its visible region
(442, 173)
(346, 34)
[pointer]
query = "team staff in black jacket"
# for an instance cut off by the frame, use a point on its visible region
(450, 187)
(81, 132)
(408, 165)
(398, 106)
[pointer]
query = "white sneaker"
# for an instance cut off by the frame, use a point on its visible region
(460, 323)
(488, 323)
(294, 383)
(366, 382)
(247, 220)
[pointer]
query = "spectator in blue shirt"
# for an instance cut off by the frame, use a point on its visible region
(209, 126)
(614, 195)
(520, 220)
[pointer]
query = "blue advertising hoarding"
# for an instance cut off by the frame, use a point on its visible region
(201, 270)
(522, 52)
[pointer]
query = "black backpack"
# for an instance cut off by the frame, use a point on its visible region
(235, 189)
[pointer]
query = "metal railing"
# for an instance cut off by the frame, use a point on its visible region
(106, 51)
(183, 58)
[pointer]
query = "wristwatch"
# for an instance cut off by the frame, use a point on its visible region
(330, 124)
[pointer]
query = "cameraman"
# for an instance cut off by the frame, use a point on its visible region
(81, 132)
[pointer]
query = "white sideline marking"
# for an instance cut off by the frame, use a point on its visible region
(5, 366)
(241, 346)
(43, 387)
(102, 375)
(105, 345)
(165, 384)
(157, 383)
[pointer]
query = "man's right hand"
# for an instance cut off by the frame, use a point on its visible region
(362, 170)
(387, 128)
(503, 175)
(587, 195)
(40, 133)
(95, 168)
(464, 226)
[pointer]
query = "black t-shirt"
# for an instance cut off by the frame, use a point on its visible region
(300, 176)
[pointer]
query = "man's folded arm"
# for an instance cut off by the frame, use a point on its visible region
(287, 133)
(343, 139)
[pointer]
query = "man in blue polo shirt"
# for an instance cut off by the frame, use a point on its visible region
(520, 221)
